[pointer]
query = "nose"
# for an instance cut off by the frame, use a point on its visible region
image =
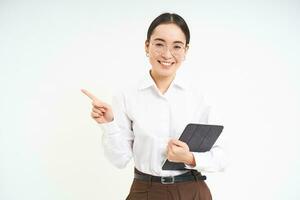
(167, 53)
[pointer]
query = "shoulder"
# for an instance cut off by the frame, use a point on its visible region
(191, 86)
(195, 92)
(126, 92)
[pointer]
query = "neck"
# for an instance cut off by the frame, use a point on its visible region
(162, 82)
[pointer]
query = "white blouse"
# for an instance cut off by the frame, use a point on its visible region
(144, 121)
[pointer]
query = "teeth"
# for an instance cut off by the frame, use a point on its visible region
(166, 63)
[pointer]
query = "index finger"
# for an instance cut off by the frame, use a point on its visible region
(90, 95)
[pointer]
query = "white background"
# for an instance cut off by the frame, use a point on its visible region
(243, 54)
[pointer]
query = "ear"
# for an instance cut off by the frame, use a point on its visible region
(147, 46)
(187, 48)
(185, 52)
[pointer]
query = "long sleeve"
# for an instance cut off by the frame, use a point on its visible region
(216, 159)
(118, 136)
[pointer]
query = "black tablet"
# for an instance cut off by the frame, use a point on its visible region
(199, 138)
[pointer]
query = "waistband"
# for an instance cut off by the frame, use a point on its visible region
(192, 175)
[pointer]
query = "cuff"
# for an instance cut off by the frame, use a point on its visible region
(109, 127)
(203, 160)
(189, 166)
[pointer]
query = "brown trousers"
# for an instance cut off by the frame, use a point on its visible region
(190, 190)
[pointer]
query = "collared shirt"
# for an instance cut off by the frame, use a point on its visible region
(145, 120)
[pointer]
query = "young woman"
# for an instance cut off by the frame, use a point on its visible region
(145, 121)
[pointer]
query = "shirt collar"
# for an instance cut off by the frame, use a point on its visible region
(147, 81)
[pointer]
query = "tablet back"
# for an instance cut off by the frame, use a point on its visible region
(199, 138)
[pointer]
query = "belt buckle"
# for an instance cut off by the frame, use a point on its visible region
(167, 179)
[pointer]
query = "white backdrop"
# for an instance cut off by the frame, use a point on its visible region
(243, 54)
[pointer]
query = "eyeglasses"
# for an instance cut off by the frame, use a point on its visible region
(175, 49)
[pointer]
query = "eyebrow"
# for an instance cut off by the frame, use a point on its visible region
(159, 39)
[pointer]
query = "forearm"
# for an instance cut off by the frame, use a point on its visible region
(117, 144)
(210, 161)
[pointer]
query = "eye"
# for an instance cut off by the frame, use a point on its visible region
(159, 44)
(177, 47)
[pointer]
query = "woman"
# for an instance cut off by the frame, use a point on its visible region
(144, 121)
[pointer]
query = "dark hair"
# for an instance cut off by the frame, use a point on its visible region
(169, 18)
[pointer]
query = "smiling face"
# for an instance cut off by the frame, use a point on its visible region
(166, 49)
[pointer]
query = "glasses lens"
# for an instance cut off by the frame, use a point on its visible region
(176, 49)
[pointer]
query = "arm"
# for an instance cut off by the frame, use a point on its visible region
(117, 132)
(118, 137)
(215, 159)
(209, 161)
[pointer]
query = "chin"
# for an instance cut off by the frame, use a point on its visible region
(166, 73)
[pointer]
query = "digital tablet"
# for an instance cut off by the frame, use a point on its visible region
(199, 138)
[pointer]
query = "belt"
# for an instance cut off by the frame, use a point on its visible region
(192, 175)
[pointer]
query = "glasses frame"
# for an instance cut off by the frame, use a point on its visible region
(166, 47)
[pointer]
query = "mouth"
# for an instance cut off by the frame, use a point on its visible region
(165, 63)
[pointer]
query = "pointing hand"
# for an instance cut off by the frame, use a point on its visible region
(101, 111)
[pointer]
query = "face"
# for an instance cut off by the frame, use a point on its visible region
(166, 50)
